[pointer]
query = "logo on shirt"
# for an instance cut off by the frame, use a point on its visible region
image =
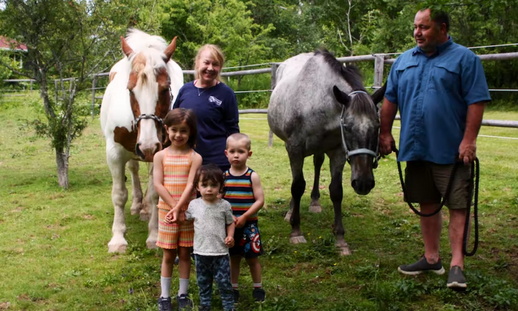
(213, 99)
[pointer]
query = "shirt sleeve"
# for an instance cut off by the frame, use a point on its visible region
(178, 99)
(231, 114)
(228, 213)
(190, 211)
(392, 83)
(473, 79)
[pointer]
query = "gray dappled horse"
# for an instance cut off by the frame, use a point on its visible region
(314, 92)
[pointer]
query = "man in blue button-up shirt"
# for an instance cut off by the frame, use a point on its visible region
(440, 90)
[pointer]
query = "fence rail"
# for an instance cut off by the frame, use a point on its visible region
(379, 61)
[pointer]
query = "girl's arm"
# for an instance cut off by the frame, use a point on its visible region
(187, 192)
(258, 204)
(158, 179)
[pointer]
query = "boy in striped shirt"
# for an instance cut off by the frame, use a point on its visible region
(244, 192)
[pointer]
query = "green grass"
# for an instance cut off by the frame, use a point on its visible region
(53, 245)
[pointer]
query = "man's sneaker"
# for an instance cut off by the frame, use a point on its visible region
(258, 294)
(236, 295)
(164, 304)
(456, 279)
(184, 302)
(422, 266)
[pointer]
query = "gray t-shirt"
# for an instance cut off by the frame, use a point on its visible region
(210, 226)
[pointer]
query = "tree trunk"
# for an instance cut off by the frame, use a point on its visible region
(62, 166)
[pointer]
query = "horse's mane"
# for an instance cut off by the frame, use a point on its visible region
(152, 48)
(139, 40)
(359, 102)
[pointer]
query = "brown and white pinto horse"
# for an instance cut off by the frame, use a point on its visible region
(140, 93)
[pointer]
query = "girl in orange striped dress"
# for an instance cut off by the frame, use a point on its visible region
(173, 175)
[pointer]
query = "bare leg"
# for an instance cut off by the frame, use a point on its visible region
(235, 262)
(167, 262)
(456, 233)
(184, 265)
(431, 230)
(255, 269)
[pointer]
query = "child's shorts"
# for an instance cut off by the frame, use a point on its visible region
(247, 241)
(172, 236)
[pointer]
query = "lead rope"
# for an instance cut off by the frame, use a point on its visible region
(474, 164)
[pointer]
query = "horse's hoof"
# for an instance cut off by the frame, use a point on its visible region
(144, 216)
(343, 249)
(151, 244)
(135, 208)
(315, 207)
(297, 239)
(121, 248)
(287, 217)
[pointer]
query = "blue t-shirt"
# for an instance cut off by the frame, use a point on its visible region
(217, 117)
(433, 94)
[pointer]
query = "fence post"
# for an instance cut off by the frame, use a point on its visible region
(273, 81)
(378, 70)
(93, 96)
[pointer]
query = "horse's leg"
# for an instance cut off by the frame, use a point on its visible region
(318, 160)
(298, 186)
(146, 213)
(119, 197)
(136, 189)
(336, 163)
(151, 201)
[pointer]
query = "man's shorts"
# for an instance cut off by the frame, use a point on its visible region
(426, 182)
(247, 241)
(172, 236)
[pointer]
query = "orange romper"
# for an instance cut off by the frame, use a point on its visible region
(176, 173)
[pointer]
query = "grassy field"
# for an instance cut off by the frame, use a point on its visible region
(53, 245)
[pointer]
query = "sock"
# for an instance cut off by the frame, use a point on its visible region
(184, 286)
(165, 284)
(258, 285)
(235, 286)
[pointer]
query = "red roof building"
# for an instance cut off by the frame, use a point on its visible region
(5, 44)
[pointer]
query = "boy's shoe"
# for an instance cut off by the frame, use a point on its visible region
(164, 304)
(184, 302)
(259, 294)
(422, 266)
(204, 308)
(236, 295)
(456, 279)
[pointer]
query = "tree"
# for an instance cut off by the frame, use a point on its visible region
(66, 42)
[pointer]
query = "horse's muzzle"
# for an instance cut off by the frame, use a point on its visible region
(363, 186)
(147, 154)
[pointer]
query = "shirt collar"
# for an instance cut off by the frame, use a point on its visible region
(441, 48)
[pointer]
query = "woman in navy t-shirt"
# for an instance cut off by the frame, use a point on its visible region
(214, 104)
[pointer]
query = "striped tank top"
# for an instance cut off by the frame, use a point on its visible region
(239, 193)
(176, 173)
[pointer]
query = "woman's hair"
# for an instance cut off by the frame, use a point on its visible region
(215, 52)
(210, 172)
(179, 115)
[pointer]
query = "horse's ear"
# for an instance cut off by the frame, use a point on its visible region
(341, 97)
(379, 94)
(125, 47)
(169, 51)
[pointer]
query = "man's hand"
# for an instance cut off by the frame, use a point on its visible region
(467, 151)
(386, 143)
